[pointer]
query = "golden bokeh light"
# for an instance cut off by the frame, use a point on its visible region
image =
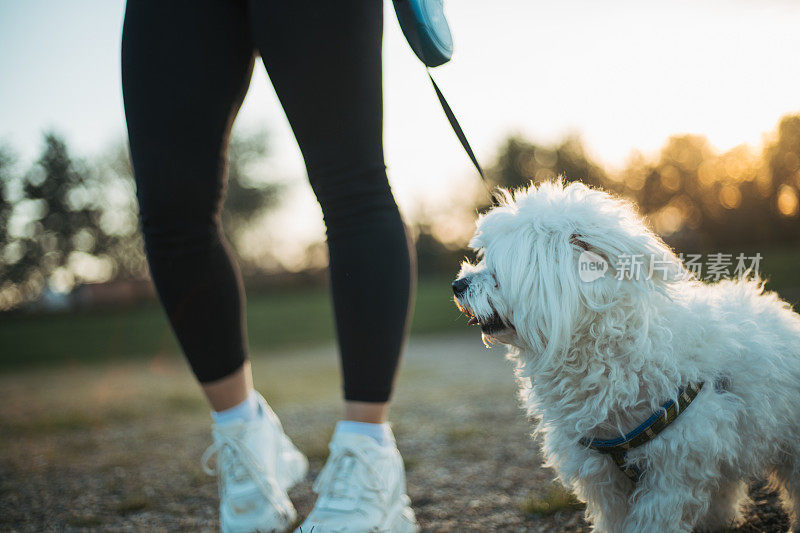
(671, 178)
(730, 196)
(791, 160)
(668, 220)
(707, 173)
(788, 203)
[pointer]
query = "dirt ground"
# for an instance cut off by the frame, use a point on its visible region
(117, 447)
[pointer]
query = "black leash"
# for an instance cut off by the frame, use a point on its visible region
(451, 117)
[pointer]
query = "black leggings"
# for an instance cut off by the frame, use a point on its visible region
(186, 66)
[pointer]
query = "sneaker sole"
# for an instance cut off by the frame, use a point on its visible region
(401, 518)
(235, 524)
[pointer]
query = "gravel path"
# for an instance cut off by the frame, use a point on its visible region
(117, 447)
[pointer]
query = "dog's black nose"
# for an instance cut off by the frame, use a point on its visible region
(460, 285)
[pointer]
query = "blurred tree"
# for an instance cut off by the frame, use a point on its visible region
(435, 257)
(669, 190)
(249, 192)
(700, 199)
(58, 213)
(675, 174)
(519, 162)
(6, 205)
(118, 221)
(782, 161)
(76, 222)
(10, 251)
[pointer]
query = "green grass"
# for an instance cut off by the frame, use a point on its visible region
(781, 268)
(275, 320)
(554, 499)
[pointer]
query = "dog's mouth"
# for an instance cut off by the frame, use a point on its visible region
(491, 324)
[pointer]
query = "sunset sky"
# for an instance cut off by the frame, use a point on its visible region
(622, 74)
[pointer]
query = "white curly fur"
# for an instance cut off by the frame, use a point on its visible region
(597, 358)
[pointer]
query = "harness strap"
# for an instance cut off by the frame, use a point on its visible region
(617, 448)
(633, 472)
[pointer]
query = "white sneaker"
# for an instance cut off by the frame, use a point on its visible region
(362, 488)
(256, 465)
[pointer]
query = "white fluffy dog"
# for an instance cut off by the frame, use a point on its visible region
(597, 358)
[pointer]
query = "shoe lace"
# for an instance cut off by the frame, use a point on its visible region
(242, 458)
(346, 465)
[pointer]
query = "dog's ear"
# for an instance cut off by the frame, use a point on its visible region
(565, 304)
(576, 239)
(640, 258)
(616, 308)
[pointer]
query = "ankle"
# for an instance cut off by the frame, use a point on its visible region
(231, 390)
(367, 412)
(381, 433)
(247, 410)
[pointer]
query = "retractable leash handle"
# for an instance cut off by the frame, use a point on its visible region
(425, 27)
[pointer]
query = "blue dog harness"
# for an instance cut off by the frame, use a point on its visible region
(646, 431)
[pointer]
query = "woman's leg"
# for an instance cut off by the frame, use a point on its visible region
(324, 60)
(186, 66)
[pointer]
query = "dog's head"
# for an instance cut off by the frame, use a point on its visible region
(557, 262)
